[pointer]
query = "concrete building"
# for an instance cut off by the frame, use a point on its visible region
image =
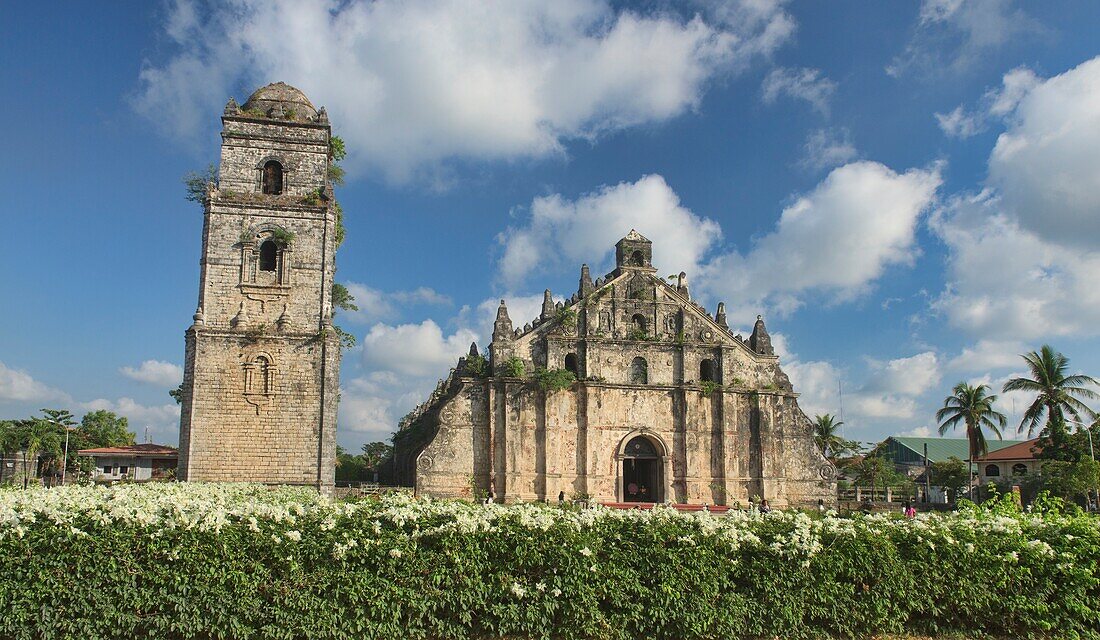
(668, 405)
(1015, 460)
(138, 462)
(262, 361)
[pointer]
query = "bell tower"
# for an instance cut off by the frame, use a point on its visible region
(262, 362)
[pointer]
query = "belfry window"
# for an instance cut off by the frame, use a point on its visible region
(638, 259)
(273, 178)
(707, 371)
(571, 364)
(639, 371)
(269, 255)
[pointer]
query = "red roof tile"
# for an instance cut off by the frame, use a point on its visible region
(1025, 450)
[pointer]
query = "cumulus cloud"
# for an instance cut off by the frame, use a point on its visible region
(995, 103)
(986, 355)
(412, 85)
(155, 372)
(162, 420)
(893, 387)
(19, 386)
(801, 84)
(838, 238)
(414, 349)
(402, 364)
(376, 305)
(563, 233)
(954, 34)
(1046, 164)
(1005, 282)
(828, 148)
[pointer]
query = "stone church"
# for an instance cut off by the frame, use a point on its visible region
(668, 405)
(262, 361)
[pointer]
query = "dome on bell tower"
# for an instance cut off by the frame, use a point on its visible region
(280, 100)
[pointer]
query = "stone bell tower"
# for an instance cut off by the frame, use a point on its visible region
(262, 362)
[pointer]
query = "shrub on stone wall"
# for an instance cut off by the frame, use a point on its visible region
(217, 561)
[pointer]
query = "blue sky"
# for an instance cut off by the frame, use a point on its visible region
(909, 193)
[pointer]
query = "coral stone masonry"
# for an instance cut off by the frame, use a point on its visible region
(262, 362)
(669, 405)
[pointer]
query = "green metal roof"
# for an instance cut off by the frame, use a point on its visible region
(940, 449)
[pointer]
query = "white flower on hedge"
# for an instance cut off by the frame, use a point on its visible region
(586, 552)
(395, 553)
(293, 535)
(555, 592)
(518, 590)
(541, 586)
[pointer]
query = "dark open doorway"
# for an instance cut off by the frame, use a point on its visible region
(641, 472)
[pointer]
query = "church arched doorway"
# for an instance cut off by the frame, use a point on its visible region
(642, 471)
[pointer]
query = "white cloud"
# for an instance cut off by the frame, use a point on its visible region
(893, 387)
(920, 432)
(1006, 283)
(838, 238)
(563, 233)
(995, 103)
(412, 85)
(1046, 164)
(156, 372)
(827, 148)
(954, 35)
(376, 305)
(414, 349)
(960, 123)
(162, 420)
(802, 84)
(987, 355)
(19, 386)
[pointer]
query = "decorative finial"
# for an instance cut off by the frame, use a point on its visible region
(720, 315)
(547, 306)
(231, 107)
(586, 286)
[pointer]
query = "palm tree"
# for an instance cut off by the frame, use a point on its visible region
(972, 406)
(38, 436)
(826, 434)
(1056, 395)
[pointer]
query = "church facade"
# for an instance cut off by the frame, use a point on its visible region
(262, 361)
(629, 391)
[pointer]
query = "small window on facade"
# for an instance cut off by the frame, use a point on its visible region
(122, 470)
(269, 255)
(992, 470)
(637, 322)
(571, 364)
(263, 375)
(273, 178)
(1019, 469)
(107, 470)
(638, 259)
(639, 371)
(707, 371)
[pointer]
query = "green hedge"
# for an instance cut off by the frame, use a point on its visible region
(217, 561)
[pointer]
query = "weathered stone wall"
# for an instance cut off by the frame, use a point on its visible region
(739, 436)
(261, 378)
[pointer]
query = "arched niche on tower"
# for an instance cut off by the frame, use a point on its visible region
(272, 175)
(260, 381)
(265, 256)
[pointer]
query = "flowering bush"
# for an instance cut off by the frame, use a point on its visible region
(241, 561)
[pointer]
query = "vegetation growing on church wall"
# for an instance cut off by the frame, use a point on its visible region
(235, 561)
(514, 367)
(554, 379)
(197, 181)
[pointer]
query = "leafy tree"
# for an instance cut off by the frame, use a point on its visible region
(103, 428)
(1071, 480)
(342, 298)
(973, 407)
(196, 182)
(876, 470)
(951, 475)
(374, 453)
(1057, 395)
(826, 434)
(177, 394)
